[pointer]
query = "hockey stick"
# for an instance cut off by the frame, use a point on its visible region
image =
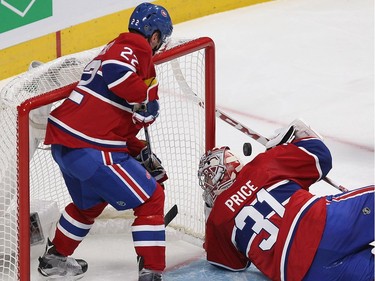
(149, 151)
(186, 89)
(247, 149)
(334, 184)
(247, 152)
(170, 215)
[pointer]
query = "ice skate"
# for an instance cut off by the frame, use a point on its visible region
(54, 266)
(149, 275)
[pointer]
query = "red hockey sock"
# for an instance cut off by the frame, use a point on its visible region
(73, 226)
(148, 231)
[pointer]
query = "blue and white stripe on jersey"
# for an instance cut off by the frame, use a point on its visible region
(79, 135)
(118, 72)
(109, 98)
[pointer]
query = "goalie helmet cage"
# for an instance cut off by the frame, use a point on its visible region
(182, 133)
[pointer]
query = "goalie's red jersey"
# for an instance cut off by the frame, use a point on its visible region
(98, 113)
(267, 216)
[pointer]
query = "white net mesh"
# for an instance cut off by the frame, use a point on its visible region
(177, 137)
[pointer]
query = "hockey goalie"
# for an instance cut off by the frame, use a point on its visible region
(263, 213)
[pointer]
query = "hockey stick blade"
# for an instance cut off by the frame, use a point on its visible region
(170, 215)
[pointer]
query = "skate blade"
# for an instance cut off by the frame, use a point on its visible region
(42, 276)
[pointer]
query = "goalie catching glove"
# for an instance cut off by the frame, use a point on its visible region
(153, 165)
(295, 130)
(283, 135)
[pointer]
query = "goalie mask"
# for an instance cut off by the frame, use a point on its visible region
(218, 169)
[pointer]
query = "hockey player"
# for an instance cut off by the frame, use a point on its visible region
(264, 213)
(93, 140)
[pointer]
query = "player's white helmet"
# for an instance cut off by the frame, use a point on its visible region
(218, 169)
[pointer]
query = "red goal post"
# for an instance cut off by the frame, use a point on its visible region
(186, 72)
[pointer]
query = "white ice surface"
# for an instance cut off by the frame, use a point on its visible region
(275, 62)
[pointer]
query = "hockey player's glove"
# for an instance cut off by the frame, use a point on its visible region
(153, 165)
(144, 114)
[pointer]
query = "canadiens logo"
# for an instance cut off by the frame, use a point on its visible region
(163, 13)
(148, 176)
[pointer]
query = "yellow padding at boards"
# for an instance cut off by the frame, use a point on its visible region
(97, 32)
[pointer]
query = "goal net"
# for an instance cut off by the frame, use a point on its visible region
(32, 191)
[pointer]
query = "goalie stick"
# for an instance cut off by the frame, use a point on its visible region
(186, 89)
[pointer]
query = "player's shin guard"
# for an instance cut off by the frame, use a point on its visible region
(73, 226)
(148, 231)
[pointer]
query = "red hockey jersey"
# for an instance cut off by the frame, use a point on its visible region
(267, 216)
(98, 113)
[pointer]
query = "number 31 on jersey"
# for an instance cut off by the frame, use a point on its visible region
(260, 221)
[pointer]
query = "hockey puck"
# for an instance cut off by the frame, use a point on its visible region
(247, 149)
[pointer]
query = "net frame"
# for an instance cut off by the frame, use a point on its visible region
(24, 109)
